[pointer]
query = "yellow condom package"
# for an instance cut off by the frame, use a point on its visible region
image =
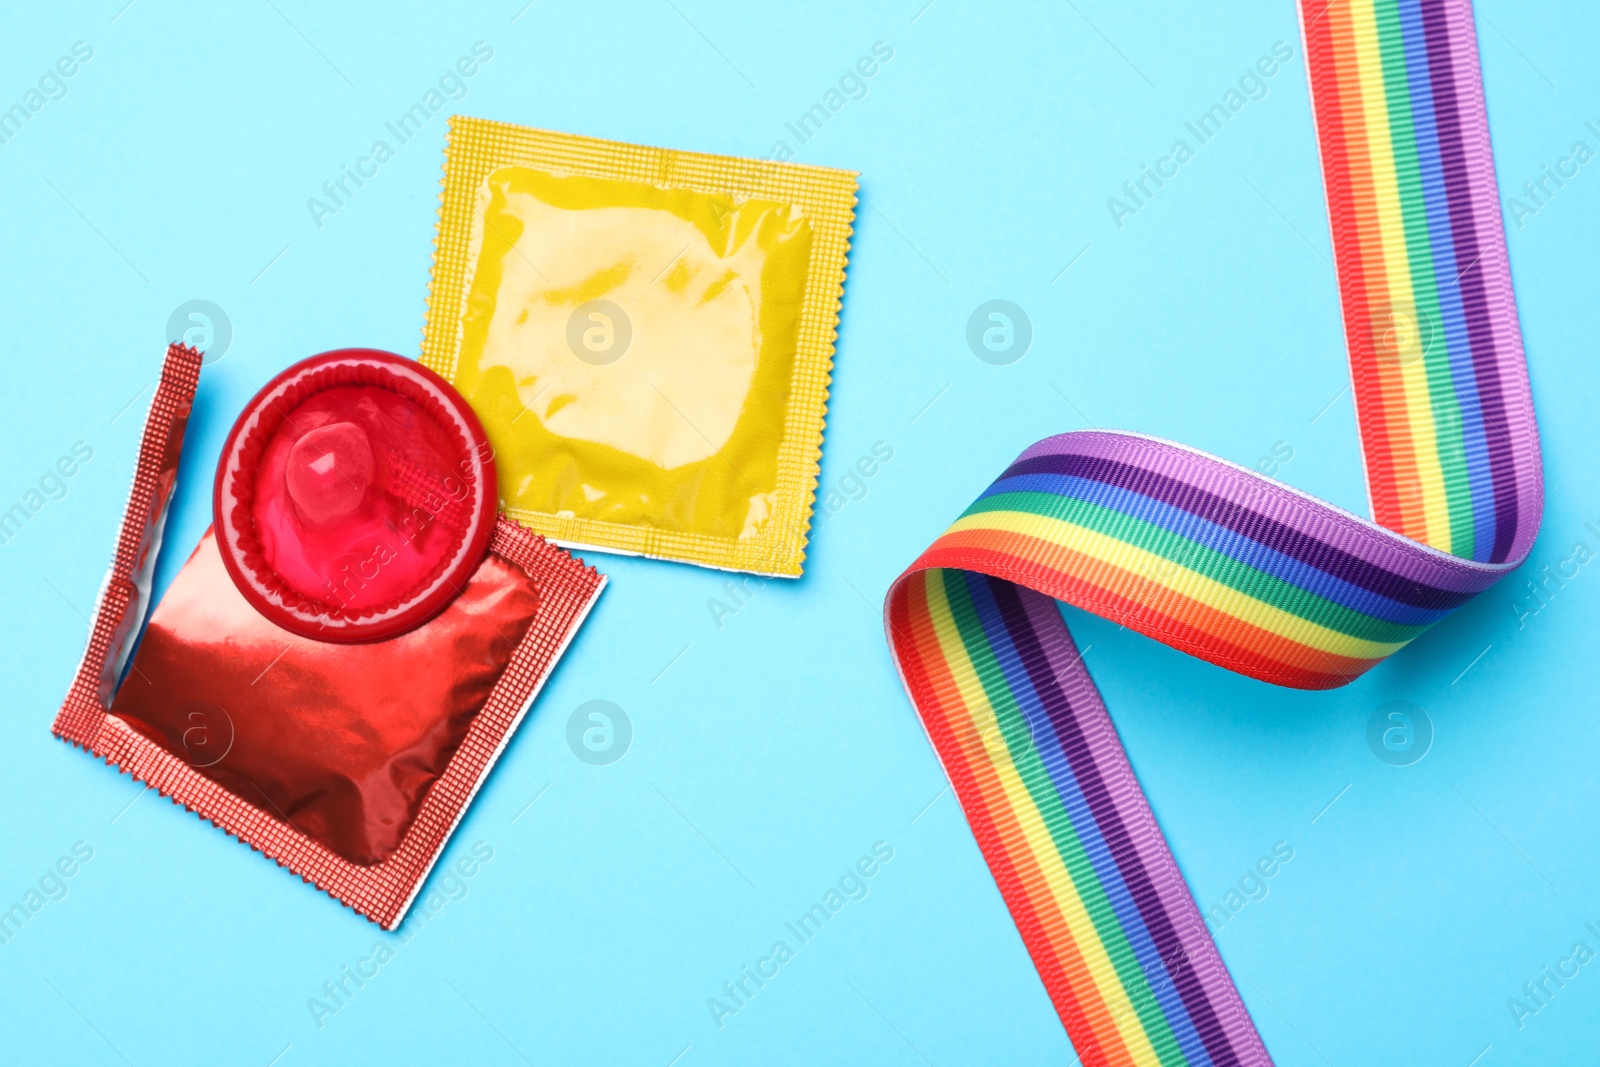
(647, 336)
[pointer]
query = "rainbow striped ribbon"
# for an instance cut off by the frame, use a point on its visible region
(1227, 564)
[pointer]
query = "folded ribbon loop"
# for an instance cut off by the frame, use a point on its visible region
(1227, 564)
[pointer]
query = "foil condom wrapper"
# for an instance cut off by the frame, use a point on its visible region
(348, 763)
(647, 336)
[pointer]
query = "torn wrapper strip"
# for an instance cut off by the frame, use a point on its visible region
(564, 588)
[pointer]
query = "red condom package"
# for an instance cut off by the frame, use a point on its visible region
(332, 674)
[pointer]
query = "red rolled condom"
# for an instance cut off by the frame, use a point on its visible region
(355, 496)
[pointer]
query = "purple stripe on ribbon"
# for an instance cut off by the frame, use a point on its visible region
(1067, 723)
(1007, 630)
(1306, 547)
(1444, 49)
(1442, 271)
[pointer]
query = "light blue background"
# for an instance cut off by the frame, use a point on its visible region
(777, 749)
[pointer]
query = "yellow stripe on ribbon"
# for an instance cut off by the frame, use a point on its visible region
(1413, 369)
(1041, 845)
(1178, 579)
